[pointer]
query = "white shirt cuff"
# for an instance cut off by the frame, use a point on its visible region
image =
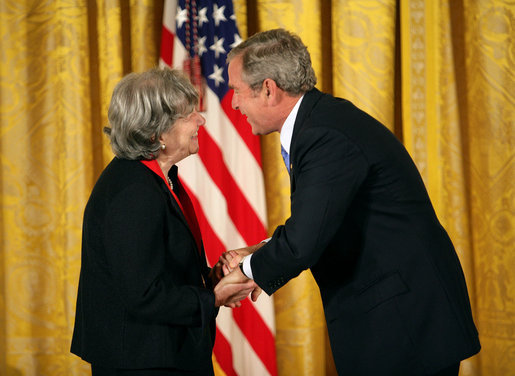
(246, 266)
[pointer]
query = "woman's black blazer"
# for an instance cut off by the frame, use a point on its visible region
(142, 302)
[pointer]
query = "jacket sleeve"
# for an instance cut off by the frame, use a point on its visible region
(327, 171)
(156, 283)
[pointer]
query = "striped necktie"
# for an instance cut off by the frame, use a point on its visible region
(286, 158)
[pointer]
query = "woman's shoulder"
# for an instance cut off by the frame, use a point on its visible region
(120, 168)
(122, 174)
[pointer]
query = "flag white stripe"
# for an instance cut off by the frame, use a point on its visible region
(169, 12)
(247, 363)
(194, 174)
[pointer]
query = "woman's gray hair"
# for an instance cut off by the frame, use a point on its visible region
(143, 107)
(279, 55)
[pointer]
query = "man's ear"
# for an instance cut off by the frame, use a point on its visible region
(271, 91)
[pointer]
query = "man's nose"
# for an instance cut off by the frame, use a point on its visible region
(234, 101)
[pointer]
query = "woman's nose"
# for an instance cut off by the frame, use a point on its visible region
(201, 120)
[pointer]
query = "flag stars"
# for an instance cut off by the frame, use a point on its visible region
(218, 47)
(217, 75)
(218, 14)
(237, 40)
(202, 17)
(181, 17)
(201, 46)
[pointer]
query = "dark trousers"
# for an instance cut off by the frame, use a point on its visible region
(449, 371)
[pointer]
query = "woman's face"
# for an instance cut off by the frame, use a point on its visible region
(182, 139)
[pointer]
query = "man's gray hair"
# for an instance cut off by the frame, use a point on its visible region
(143, 107)
(279, 55)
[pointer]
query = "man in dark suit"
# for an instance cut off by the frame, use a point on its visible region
(392, 287)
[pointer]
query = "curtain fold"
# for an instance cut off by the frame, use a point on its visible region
(45, 177)
(364, 55)
(488, 99)
(109, 36)
(432, 128)
(145, 33)
(454, 110)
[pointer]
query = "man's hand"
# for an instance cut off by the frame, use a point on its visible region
(232, 258)
(255, 293)
(233, 288)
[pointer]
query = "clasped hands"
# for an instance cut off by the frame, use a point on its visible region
(231, 285)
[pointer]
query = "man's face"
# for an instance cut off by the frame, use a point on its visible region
(252, 104)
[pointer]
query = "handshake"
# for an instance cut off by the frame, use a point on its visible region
(230, 284)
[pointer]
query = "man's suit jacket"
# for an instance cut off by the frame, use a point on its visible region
(141, 302)
(392, 287)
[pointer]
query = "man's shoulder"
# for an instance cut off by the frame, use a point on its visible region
(323, 105)
(340, 119)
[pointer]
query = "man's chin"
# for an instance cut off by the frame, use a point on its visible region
(256, 131)
(261, 132)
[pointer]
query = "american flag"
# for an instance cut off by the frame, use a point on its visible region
(225, 178)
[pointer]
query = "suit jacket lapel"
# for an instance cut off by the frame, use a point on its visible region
(306, 106)
(309, 101)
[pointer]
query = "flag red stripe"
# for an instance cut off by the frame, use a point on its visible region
(223, 354)
(257, 334)
(242, 126)
(243, 215)
(167, 46)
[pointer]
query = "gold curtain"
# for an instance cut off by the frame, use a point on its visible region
(458, 115)
(60, 60)
(438, 73)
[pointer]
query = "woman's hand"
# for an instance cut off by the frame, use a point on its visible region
(233, 288)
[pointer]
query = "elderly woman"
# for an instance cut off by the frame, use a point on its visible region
(147, 300)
